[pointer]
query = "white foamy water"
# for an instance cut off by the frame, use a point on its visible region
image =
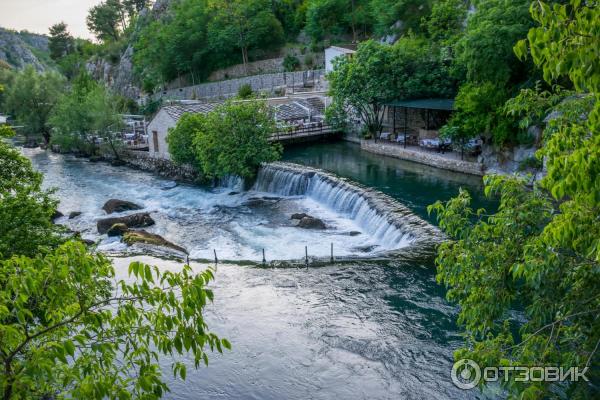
(237, 224)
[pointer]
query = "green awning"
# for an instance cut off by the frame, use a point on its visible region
(425, 104)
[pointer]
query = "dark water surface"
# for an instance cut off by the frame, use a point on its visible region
(359, 330)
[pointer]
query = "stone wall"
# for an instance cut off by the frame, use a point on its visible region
(271, 84)
(423, 157)
(141, 160)
(272, 65)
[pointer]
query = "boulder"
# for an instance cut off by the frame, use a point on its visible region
(57, 214)
(117, 230)
(74, 214)
(117, 162)
(117, 206)
(299, 216)
(96, 158)
(354, 233)
(311, 223)
(139, 220)
(142, 236)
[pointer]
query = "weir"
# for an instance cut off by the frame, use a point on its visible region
(385, 219)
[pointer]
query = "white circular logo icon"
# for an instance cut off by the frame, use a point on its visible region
(466, 374)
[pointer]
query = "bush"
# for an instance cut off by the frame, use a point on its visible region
(290, 63)
(309, 60)
(245, 91)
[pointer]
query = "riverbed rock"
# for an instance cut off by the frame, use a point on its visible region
(141, 236)
(117, 162)
(140, 220)
(311, 223)
(57, 214)
(74, 214)
(96, 158)
(168, 185)
(117, 230)
(117, 206)
(299, 216)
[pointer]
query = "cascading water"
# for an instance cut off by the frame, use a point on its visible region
(383, 218)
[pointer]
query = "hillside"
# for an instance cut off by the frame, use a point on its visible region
(19, 49)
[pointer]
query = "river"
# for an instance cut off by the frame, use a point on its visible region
(364, 328)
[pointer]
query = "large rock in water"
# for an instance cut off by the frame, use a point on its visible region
(117, 230)
(117, 206)
(142, 236)
(139, 220)
(311, 223)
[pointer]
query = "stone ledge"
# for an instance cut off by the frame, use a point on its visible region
(423, 157)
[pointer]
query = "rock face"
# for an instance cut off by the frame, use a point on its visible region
(117, 206)
(19, 49)
(139, 220)
(311, 223)
(117, 230)
(142, 236)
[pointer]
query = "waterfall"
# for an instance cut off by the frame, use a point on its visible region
(381, 216)
(232, 182)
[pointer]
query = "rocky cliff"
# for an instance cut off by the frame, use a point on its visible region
(19, 49)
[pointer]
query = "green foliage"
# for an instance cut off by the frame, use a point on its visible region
(234, 139)
(201, 36)
(69, 330)
(181, 138)
(245, 91)
(83, 115)
(540, 253)
(112, 18)
(486, 49)
(445, 23)
(335, 18)
(243, 25)
(386, 13)
(25, 209)
(31, 98)
(378, 73)
(61, 42)
(290, 63)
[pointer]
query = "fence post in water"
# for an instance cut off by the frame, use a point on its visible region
(264, 259)
(216, 259)
(332, 252)
(306, 255)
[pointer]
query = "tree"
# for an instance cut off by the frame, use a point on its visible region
(234, 139)
(68, 330)
(25, 209)
(111, 18)
(181, 138)
(398, 16)
(484, 55)
(527, 278)
(67, 327)
(61, 42)
(446, 20)
(86, 117)
(379, 73)
(31, 98)
(244, 25)
(363, 83)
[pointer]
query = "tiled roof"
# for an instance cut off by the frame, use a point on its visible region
(176, 111)
(300, 109)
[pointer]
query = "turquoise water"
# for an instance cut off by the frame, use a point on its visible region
(415, 185)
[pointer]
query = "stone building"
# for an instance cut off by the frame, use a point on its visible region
(166, 119)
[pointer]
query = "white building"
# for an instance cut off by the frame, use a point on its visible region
(337, 51)
(166, 119)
